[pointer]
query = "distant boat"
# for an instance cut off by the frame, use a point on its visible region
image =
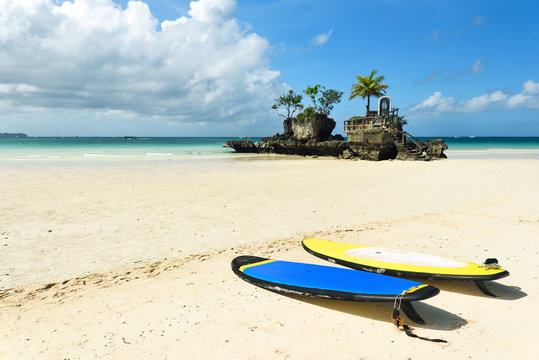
(130, 137)
(472, 137)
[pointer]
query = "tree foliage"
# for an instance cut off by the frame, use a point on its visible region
(398, 122)
(402, 121)
(312, 91)
(329, 98)
(368, 86)
(323, 101)
(291, 102)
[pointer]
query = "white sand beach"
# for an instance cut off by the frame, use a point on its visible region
(133, 262)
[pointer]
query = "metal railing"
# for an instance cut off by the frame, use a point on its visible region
(406, 137)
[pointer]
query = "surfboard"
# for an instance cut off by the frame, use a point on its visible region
(404, 263)
(331, 282)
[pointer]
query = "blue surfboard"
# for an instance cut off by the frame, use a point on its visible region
(331, 282)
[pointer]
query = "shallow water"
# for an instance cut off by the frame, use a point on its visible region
(86, 150)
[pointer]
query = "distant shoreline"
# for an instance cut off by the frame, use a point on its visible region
(13, 135)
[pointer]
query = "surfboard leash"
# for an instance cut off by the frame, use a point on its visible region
(402, 326)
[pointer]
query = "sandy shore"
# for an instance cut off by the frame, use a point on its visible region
(134, 262)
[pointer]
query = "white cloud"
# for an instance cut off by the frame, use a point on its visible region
(483, 102)
(518, 100)
(437, 104)
(434, 103)
(321, 39)
(477, 66)
(92, 54)
(530, 88)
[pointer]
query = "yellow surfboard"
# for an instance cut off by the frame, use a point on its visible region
(404, 263)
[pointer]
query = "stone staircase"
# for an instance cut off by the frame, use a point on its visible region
(409, 150)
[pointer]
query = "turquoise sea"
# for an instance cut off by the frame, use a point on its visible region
(87, 149)
(118, 149)
(491, 147)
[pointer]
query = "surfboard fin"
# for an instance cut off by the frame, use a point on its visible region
(481, 286)
(410, 312)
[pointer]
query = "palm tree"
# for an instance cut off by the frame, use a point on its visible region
(368, 86)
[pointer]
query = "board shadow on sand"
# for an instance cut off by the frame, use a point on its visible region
(435, 318)
(501, 291)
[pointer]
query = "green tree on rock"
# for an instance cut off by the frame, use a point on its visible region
(324, 103)
(328, 99)
(368, 86)
(312, 91)
(291, 102)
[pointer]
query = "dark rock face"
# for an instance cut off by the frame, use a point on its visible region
(335, 146)
(374, 152)
(311, 147)
(287, 126)
(435, 149)
(242, 146)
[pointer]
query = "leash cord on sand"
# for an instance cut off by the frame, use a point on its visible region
(401, 326)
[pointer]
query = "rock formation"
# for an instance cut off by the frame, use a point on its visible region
(319, 127)
(312, 136)
(435, 148)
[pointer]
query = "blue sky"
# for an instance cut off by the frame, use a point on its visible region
(213, 67)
